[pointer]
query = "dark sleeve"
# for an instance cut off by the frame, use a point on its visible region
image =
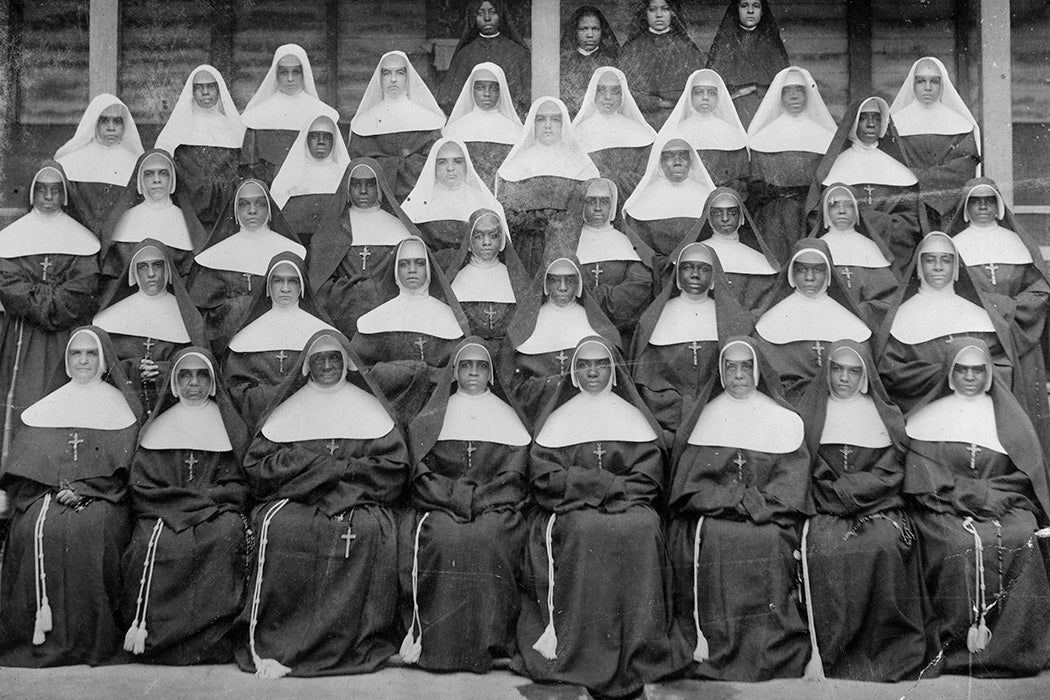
(785, 495)
(290, 470)
(155, 496)
(435, 491)
(67, 299)
(1026, 311)
(565, 487)
(862, 491)
(626, 301)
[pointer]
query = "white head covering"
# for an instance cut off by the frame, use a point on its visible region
(468, 123)
(772, 130)
(417, 110)
(625, 128)
(188, 427)
(860, 163)
(656, 197)
(430, 200)
(948, 116)
(683, 320)
(529, 158)
(853, 420)
(604, 242)
(280, 328)
(849, 247)
(145, 316)
(161, 220)
(94, 405)
(40, 234)
(990, 243)
(190, 125)
(483, 417)
(558, 327)
(86, 160)
(301, 173)
(272, 109)
(478, 281)
(719, 131)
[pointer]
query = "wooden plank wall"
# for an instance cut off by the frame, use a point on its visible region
(52, 62)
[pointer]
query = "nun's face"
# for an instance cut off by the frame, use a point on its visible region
(109, 129)
(152, 276)
(810, 277)
(252, 207)
(704, 98)
(937, 268)
(608, 95)
(486, 94)
(561, 288)
(548, 124)
(593, 375)
(326, 367)
(47, 194)
(487, 19)
(393, 76)
(724, 220)
(319, 144)
(694, 277)
(845, 379)
(412, 272)
(84, 358)
(194, 384)
(290, 76)
(739, 376)
(450, 166)
(969, 380)
(749, 13)
(676, 163)
(473, 376)
(205, 90)
(869, 124)
(658, 15)
(364, 192)
(485, 239)
(793, 99)
(928, 88)
(156, 179)
(588, 32)
(285, 286)
(597, 207)
(982, 210)
(842, 211)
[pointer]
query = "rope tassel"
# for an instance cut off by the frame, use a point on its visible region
(44, 621)
(547, 644)
(264, 668)
(412, 646)
(978, 636)
(701, 653)
(815, 666)
(135, 638)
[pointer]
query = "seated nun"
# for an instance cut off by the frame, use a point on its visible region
(612, 129)
(743, 249)
(485, 120)
(813, 310)
(939, 302)
(322, 598)
(397, 122)
(588, 43)
(307, 182)
(149, 317)
(204, 134)
(667, 203)
(100, 159)
(184, 569)
(448, 191)
(739, 490)
(353, 243)
(861, 257)
(48, 285)
(788, 137)
(250, 232)
(616, 266)
(860, 554)
(66, 475)
(555, 315)
(487, 277)
(595, 602)
(265, 351)
(540, 184)
(706, 118)
(865, 154)
(1006, 264)
(467, 527)
(150, 207)
(274, 115)
(939, 137)
(412, 332)
(675, 348)
(976, 475)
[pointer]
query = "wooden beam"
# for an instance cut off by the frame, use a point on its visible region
(332, 51)
(858, 28)
(996, 96)
(546, 56)
(223, 27)
(103, 46)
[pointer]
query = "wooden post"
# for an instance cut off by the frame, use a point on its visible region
(858, 26)
(996, 96)
(546, 56)
(104, 46)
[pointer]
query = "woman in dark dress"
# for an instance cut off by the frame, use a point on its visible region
(587, 43)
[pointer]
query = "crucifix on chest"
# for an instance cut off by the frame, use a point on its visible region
(599, 453)
(364, 254)
(491, 313)
(75, 441)
(420, 342)
(190, 462)
(818, 348)
(871, 191)
(740, 461)
(597, 272)
(848, 274)
(974, 450)
(332, 446)
(348, 536)
(470, 454)
(147, 347)
(694, 346)
(281, 357)
(990, 268)
(247, 280)
(846, 451)
(45, 265)
(561, 357)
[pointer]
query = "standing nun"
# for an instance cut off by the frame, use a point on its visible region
(588, 42)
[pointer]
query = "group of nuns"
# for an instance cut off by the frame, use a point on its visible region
(604, 404)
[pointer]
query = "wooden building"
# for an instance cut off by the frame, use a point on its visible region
(59, 53)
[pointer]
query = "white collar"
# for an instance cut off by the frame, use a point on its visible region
(483, 283)
(604, 417)
(684, 320)
(730, 422)
(94, 406)
(184, 427)
(928, 315)
(143, 316)
(738, 258)
(854, 421)
(860, 164)
(146, 220)
(983, 245)
(37, 234)
(278, 329)
(315, 414)
(248, 251)
(955, 418)
(557, 328)
(799, 317)
(604, 243)
(853, 249)
(375, 227)
(482, 418)
(412, 313)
